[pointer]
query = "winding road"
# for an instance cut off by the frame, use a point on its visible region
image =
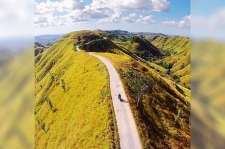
(128, 134)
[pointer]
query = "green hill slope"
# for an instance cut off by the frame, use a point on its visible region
(163, 110)
(176, 59)
(73, 96)
(73, 107)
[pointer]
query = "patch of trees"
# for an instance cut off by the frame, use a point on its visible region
(38, 51)
(165, 65)
(138, 83)
(176, 78)
(99, 44)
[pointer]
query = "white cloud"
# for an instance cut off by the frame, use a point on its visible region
(58, 6)
(133, 15)
(48, 20)
(81, 16)
(121, 5)
(44, 7)
(45, 11)
(114, 18)
(160, 5)
(150, 19)
(169, 23)
(184, 23)
(76, 10)
(130, 18)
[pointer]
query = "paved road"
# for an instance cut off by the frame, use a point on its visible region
(128, 134)
(77, 47)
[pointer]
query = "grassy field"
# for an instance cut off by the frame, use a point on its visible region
(73, 107)
(157, 116)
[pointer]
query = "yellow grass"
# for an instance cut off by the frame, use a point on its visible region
(84, 116)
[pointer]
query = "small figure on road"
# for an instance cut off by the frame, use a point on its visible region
(119, 97)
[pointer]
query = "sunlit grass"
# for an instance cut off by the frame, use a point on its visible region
(154, 115)
(83, 116)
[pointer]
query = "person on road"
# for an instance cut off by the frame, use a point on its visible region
(119, 97)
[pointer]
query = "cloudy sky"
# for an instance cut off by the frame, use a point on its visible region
(170, 17)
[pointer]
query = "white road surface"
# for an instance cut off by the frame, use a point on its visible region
(128, 134)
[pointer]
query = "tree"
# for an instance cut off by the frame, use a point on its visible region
(78, 38)
(138, 84)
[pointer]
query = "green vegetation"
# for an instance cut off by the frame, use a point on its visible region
(70, 112)
(73, 107)
(176, 59)
(156, 113)
(138, 84)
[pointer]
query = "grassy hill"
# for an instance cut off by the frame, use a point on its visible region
(176, 59)
(73, 106)
(158, 114)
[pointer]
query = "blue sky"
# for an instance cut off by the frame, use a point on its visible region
(170, 17)
(208, 19)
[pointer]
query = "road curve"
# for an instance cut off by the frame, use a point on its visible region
(77, 47)
(128, 134)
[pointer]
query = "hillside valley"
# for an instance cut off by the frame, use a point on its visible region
(73, 103)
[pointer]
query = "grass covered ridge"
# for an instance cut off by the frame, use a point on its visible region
(73, 107)
(163, 113)
(176, 59)
(81, 116)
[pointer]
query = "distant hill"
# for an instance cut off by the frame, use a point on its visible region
(176, 59)
(103, 41)
(148, 34)
(46, 39)
(130, 34)
(38, 44)
(145, 47)
(38, 48)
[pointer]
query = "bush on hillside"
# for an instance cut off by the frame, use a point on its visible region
(138, 84)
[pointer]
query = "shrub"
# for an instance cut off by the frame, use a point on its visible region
(138, 84)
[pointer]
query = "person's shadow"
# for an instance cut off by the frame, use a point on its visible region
(122, 100)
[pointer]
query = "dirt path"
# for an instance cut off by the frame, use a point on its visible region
(128, 134)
